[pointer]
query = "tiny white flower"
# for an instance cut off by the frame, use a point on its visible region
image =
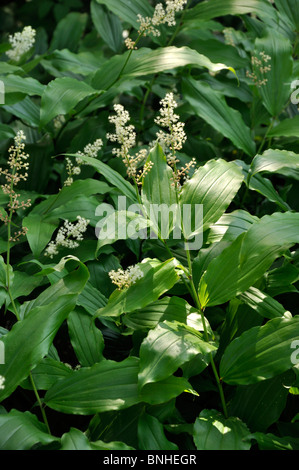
(21, 42)
(2, 380)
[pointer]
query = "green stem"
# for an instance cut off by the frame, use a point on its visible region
(206, 335)
(39, 403)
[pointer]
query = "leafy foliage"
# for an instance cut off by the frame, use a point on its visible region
(159, 342)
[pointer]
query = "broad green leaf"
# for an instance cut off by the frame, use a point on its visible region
(290, 9)
(107, 25)
(6, 132)
(282, 162)
(262, 303)
(107, 385)
(156, 393)
(168, 308)
(111, 175)
(128, 10)
(26, 110)
(156, 281)
(61, 96)
(46, 373)
(87, 340)
(69, 31)
(286, 128)
(244, 262)
(230, 226)
(214, 186)
(151, 435)
(67, 194)
(75, 439)
(158, 192)
(146, 61)
(27, 85)
(261, 352)
(260, 405)
(166, 348)
(211, 106)
(91, 299)
(207, 10)
(66, 63)
(39, 232)
(271, 442)
(22, 430)
(276, 91)
(29, 340)
(213, 432)
(120, 225)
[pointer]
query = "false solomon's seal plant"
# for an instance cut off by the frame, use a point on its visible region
(149, 231)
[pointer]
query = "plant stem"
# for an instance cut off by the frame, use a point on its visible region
(39, 403)
(206, 335)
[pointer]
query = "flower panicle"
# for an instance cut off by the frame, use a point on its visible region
(67, 236)
(125, 278)
(90, 150)
(21, 42)
(162, 15)
(17, 171)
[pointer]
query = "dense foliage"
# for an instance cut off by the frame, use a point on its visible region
(114, 332)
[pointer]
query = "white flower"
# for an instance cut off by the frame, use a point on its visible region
(125, 278)
(21, 42)
(90, 150)
(65, 234)
(176, 136)
(161, 16)
(2, 380)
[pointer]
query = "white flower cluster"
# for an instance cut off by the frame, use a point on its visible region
(90, 150)
(260, 68)
(125, 278)
(68, 236)
(161, 16)
(2, 380)
(175, 138)
(125, 135)
(17, 171)
(21, 42)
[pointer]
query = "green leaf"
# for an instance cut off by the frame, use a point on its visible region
(207, 10)
(39, 232)
(290, 9)
(29, 340)
(282, 162)
(213, 432)
(27, 85)
(61, 96)
(260, 405)
(262, 303)
(146, 61)
(261, 352)
(211, 106)
(156, 281)
(111, 175)
(69, 31)
(244, 262)
(105, 386)
(46, 373)
(75, 440)
(26, 110)
(87, 340)
(158, 189)
(151, 435)
(128, 10)
(166, 348)
(271, 442)
(286, 128)
(230, 226)
(22, 430)
(213, 185)
(277, 90)
(107, 25)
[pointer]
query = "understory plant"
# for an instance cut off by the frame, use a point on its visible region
(149, 235)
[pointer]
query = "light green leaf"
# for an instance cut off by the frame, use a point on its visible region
(166, 348)
(39, 232)
(22, 430)
(244, 262)
(213, 432)
(282, 162)
(261, 352)
(211, 106)
(262, 303)
(156, 280)
(107, 25)
(61, 96)
(105, 386)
